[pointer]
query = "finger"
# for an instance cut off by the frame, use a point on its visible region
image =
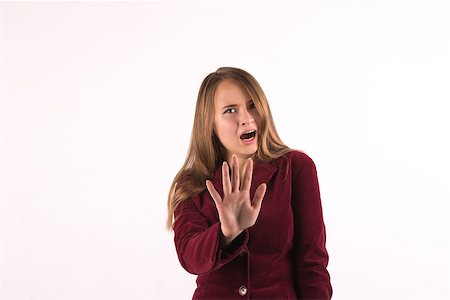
(259, 195)
(214, 194)
(248, 175)
(226, 179)
(235, 173)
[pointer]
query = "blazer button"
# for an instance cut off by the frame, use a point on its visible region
(243, 251)
(243, 290)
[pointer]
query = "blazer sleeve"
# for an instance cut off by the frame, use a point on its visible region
(198, 244)
(310, 254)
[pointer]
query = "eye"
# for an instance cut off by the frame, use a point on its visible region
(229, 110)
(252, 105)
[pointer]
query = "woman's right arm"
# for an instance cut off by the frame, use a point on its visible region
(202, 248)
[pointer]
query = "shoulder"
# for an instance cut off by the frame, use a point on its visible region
(299, 162)
(299, 158)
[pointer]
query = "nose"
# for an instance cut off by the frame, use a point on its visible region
(246, 118)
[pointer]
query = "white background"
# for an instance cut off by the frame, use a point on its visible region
(96, 112)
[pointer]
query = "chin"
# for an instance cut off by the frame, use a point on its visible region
(251, 151)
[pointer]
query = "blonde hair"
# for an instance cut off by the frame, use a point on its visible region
(206, 151)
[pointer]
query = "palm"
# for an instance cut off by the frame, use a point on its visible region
(236, 210)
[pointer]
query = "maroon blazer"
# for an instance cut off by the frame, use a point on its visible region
(282, 256)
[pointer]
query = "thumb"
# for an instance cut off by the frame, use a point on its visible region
(259, 195)
(213, 192)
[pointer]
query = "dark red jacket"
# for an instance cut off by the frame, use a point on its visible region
(282, 256)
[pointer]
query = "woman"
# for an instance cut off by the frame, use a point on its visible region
(247, 209)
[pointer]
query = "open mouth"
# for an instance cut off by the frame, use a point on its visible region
(248, 136)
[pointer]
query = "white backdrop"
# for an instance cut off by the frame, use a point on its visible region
(97, 105)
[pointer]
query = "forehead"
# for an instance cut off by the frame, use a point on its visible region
(230, 92)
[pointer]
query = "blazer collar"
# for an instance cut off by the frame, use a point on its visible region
(262, 173)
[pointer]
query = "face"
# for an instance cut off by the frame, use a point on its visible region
(234, 115)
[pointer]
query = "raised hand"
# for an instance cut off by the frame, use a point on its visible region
(236, 211)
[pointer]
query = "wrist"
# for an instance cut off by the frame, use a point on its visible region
(228, 237)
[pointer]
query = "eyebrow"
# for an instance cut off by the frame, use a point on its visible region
(231, 105)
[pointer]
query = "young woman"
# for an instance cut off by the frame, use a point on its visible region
(245, 208)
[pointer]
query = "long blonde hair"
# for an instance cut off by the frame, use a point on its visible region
(206, 151)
